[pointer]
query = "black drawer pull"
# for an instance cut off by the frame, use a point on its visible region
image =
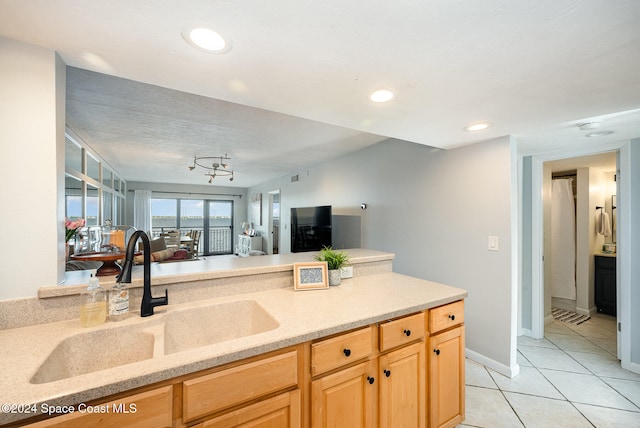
(370, 380)
(347, 352)
(407, 333)
(452, 317)
(437, 351)
(387, 373)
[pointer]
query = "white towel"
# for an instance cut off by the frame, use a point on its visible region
(603, 226)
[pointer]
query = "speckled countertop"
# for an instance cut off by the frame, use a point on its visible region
(300, 315)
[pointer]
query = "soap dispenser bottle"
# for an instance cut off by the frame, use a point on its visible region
(93, 309)
(118, 302)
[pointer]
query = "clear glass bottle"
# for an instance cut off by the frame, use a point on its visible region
(118, 302)
(93, 306)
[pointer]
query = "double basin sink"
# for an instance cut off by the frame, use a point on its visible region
(177, 331)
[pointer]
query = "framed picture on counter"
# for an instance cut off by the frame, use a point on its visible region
(310, 276)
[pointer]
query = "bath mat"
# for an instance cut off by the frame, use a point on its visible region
(568, 316)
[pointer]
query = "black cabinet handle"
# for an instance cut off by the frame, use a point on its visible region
(347, 352)
(407, 333)
(387, 373)
(437, 351)
(370, 380)
(452, 317)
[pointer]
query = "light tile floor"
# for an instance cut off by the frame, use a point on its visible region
(571, 378)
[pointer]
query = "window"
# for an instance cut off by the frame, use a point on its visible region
(164, 215)
(92, 190)
(191, 214)
(72, 155)
(73, 197)
(213, 218)
(93, 206)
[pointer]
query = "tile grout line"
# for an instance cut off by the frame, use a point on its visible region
(505, 397)
(566, 399)
(590, 371)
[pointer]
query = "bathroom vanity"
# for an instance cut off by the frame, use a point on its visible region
(371, 352)
(605, 283)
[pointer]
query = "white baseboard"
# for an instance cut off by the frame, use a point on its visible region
(632, 367)
(583, 311)
(525, 332)
(493, 364)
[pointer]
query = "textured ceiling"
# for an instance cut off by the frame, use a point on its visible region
(526, 67)
(149, 133)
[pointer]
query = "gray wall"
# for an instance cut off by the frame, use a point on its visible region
(435, 210)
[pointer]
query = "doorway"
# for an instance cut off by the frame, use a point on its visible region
(575, 213)
(531, 295)
(274, 223)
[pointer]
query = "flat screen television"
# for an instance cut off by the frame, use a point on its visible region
(310, 228)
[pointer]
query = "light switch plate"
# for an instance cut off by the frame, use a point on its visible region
(494, 244)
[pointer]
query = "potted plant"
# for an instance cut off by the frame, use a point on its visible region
(335, 261)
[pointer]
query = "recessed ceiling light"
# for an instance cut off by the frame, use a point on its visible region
(204, 38)
(476, 126)
(598, 134)
(381, 96)
(589, 125)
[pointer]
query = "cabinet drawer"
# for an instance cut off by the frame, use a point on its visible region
(283, 410)
(400, 331)
(446, 316)
(150, 408)
(217, 391)
(340, 350)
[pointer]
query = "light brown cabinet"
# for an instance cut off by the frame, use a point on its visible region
(215, 392)
(387, 389)
(405, 372)
(346, 398)
(281, 411)
(402, 388)
(446, 366)
(144, 409)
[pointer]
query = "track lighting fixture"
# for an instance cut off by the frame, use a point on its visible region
(218, 167)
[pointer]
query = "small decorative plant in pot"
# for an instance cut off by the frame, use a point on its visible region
(335, 261)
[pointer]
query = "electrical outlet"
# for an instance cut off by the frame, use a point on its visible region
(346, 272)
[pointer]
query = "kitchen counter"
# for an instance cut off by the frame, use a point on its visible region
(206, 278)
(301, 316)
(208, 268)
(603, 254)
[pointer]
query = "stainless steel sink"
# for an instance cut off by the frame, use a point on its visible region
(194, 328)
(95, 350)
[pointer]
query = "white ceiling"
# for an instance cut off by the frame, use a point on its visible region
(532, 69)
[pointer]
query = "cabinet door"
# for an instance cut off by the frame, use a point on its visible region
(147, 409)
(282, 411)
(446, 378)
(605, 285)
(402, 398)
(345, 399)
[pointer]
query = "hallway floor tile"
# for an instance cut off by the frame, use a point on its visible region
(571, 378)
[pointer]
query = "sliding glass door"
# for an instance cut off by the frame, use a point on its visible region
(213, 218)
(220, 233)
